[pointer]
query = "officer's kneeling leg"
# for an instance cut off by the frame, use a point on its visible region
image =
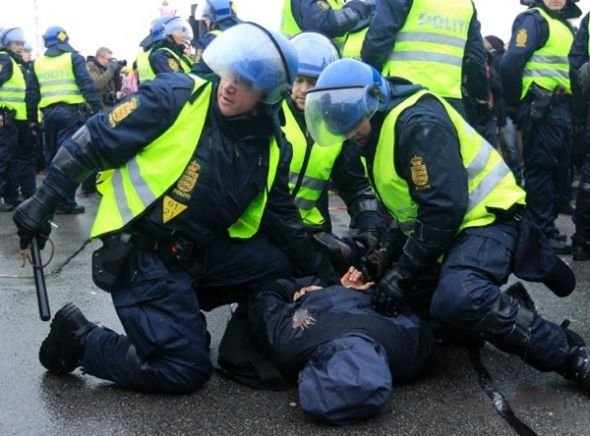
(466, 299)
(165, 349)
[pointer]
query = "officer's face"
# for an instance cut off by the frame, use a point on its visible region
(234, 98)
(301, 87)
(555, 5)
(16, 47)
(362, 134)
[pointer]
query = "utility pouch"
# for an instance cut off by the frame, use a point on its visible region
(540, 104)
(110, 261)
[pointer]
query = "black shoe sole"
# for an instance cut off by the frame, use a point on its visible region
(52, 349)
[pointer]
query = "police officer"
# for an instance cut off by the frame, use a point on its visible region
(61, 88)
(13, 115)
(163, 48)
(580, 80)
(431, 42)
(305, 327)
(458, 200)
(332, 18)
(199, 200)
(535, 76)
(218, 15)
(312, 167)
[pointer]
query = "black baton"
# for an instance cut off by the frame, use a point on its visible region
(42, 300)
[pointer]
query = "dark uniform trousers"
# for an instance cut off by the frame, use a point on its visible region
(25, 161)
(60, 122)
(8, 146)
(166, 348)
(468, 298)
(582, 212)
(547, 165)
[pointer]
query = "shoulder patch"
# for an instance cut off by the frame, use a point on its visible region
(173, 65)
(323, 4)
(122, 111)
(419, 173)
(198, 55)
(521, 37)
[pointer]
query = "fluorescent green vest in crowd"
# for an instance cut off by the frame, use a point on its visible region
(317, 173)
(353, 44)
(12, 92)
(290, 28)
(145, 178)
(549, 67)
(144, 69)
(490, 182)
(429, 47)
(57, 82)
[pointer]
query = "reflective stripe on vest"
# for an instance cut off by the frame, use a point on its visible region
(290, 28)
(353, 44)
(144, 69)
(490, 181)
(57, 81)
(317, 173)
(430, 46)
(145, 178)
(12, 92)
(549, 66)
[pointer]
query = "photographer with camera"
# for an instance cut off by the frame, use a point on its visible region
(105, 70)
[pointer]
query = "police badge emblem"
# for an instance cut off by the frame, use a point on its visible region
(419, 172)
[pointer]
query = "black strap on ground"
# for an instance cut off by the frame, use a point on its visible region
(57, 270)
(498, 400)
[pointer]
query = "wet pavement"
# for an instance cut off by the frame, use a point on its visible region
(449, 400)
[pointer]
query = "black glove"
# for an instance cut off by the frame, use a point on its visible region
(375, 263)
(32, 217)
(390, 293)
(369, 239)
(329, 245)
(363, 8)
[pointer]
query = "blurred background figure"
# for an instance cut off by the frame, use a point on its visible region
(537, 90)
(217, 16)
(13, 115)
(65, 104)
(164, 48)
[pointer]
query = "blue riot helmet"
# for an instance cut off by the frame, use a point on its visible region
(156, 32)
(56, 36)
(253, 57)
(346, 96)
(177, 27)
(12, 35)
(315, 52)
(218, 10)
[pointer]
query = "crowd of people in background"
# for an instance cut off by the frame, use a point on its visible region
(454, 154)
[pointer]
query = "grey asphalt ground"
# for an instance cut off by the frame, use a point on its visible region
(447, 401)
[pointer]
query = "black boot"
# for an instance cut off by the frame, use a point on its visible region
(62, 351)
(577, 363)
(580, 247)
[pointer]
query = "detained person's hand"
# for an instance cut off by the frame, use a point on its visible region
(355, 279)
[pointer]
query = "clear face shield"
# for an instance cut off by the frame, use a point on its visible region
(180, 30)
(336, 114)
(247, 57)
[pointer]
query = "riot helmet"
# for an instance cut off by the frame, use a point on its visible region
(315, 52)
(347, 95)
(56, 36)
(12, 35)
(253, 57)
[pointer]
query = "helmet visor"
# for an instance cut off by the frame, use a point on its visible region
(246, 56)
(333, 115)
(180, 28)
